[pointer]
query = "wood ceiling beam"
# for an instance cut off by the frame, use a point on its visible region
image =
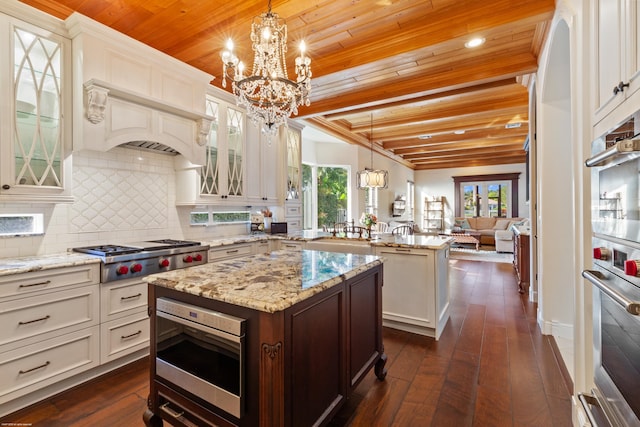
(470, 163)
(457, 109)
(485, 70)
(507, 150)
(434, 97)
(427, 150)
(451, 138)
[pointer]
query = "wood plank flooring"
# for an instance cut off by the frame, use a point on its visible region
(491, 367)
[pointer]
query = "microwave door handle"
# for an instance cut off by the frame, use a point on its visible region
(596, 277)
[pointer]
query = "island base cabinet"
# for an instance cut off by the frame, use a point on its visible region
(301, 363)
(416, 290)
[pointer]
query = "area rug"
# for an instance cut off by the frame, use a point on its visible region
(484, 254)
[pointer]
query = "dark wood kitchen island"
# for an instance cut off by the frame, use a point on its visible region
(312, 330)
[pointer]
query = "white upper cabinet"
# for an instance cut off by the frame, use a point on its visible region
(35, 136)
(221, 179)
(617, 56)
(264, 166)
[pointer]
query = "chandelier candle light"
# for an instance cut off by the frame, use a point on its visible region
(268, 94)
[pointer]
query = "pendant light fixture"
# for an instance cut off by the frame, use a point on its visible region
(370, 178)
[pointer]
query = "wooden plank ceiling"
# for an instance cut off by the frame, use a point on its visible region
(398, 68)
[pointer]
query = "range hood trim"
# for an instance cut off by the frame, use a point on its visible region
(97, 95)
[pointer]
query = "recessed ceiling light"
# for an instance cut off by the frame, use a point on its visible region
(424, 137)
(475, 42)
(459, 132)
(512, 125)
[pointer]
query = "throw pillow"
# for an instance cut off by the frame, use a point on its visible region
(501, 224)
(463, 224)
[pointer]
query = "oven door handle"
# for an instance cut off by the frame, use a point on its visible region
(586, 400)
(596, 277)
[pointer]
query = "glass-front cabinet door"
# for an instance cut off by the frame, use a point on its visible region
(222, 177)
(35, 133)
(294, 163)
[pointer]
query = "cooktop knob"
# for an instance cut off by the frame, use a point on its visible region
(632, 267)
(123, 269)
(601, 253)
(188, 259)
(136, 268)
(198, 257)
(164, 263)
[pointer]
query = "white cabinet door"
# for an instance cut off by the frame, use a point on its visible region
(35, 138)
(263, 167)
(222, 177)
(617, 56)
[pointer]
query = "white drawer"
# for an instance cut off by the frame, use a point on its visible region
(35, 366)
(123, 336)
(291, 211)
(122, 298)
(262, 247)
(45, 316)
(26, 284)
(292, 246)
(230, 251)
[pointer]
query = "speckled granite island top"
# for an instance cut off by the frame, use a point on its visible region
(19, 265)
(268, 282)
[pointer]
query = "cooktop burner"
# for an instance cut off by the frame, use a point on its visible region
(150, 245)
(108, 250)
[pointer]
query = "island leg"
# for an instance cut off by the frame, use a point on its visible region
(379, 368)
(151, 420)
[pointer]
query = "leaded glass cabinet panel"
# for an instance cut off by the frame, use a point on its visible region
(36, 137)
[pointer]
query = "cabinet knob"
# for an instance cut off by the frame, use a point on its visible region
(621, 86)
(6, 187)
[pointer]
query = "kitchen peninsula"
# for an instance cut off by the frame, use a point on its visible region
(416, 274)
(309, 330)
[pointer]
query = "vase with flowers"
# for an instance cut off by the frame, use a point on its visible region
(368, 220)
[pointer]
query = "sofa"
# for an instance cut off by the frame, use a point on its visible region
(493, 231)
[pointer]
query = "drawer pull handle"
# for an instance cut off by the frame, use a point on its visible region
(403, 250)
(291, 246)
(170, 411)
(35, 320)
(138, 295)
(126, 337)
(46, 282)
(232, 251)
(44, 365)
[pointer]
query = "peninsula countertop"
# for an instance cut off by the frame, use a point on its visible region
(378, 239)
(267, 282)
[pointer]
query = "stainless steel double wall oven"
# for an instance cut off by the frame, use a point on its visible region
(615, 277)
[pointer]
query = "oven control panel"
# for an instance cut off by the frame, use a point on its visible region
(155, 264)
(213, 319)
(622, 260)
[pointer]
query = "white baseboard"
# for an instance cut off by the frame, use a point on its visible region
(557, 329)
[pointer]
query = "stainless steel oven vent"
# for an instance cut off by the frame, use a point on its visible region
(155, 147)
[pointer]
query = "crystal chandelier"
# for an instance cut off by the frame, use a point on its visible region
(267, 94)
(370, 178)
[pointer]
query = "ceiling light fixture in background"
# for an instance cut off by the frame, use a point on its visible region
(474, 42)
(370, 178)
(268, 94)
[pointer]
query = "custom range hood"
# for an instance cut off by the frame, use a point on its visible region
(129, 94)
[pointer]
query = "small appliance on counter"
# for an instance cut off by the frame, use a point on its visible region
(257, 223)
(278, 228)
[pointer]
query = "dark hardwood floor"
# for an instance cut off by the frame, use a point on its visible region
(491, 367)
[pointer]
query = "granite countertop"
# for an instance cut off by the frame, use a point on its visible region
(269, 282)
(19, 265)
(378, 239)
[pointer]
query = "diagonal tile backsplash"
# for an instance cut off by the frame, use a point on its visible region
(112, 199)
